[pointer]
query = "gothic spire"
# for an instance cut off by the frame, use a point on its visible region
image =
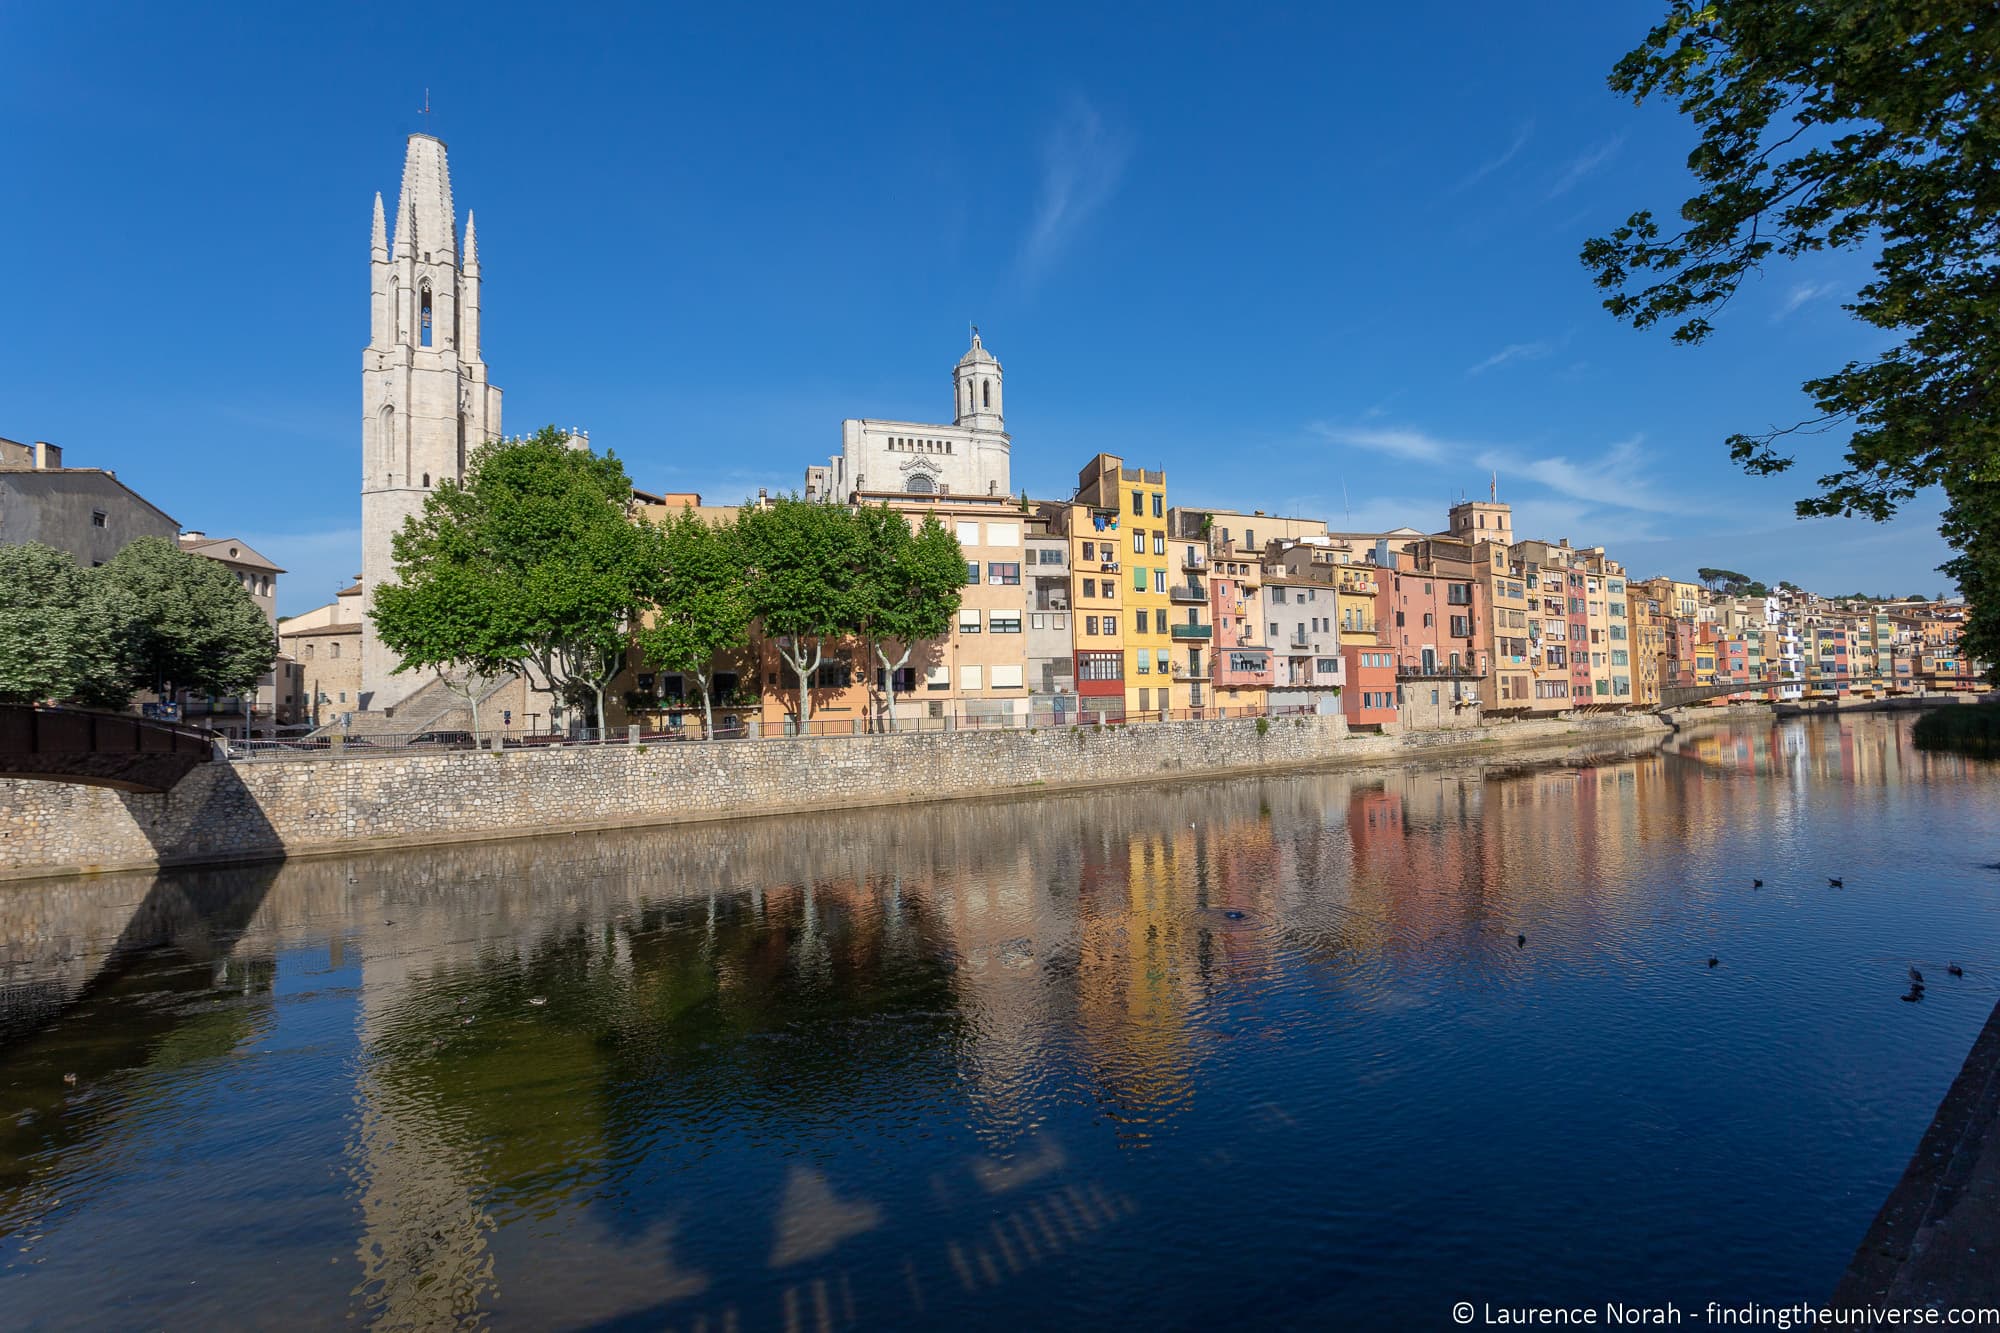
(471, 242)
(378, 242)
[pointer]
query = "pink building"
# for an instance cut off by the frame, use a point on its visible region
(1369, 698)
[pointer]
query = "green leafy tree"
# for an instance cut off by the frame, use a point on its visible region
(63, 634)
(532, 563)
(1834, 124)
(799, 562)
(701, 607)
(194, 627)
(453, 623)
(907, 586)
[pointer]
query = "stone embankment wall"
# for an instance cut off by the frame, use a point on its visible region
(224, 812)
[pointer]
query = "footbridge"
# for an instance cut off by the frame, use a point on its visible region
(1677, 696)
(97, 749)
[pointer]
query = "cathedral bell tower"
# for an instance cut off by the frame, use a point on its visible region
(425, 399)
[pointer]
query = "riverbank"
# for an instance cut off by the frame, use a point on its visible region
(223, 813)
(1973, 730)
(1934, 1242)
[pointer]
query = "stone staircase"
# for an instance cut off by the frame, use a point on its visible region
(433, 707)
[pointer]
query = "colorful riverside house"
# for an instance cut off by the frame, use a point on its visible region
(1193, 622)
(1307, 671)
(1240, 657)
(1357, 588)
(1435, 627)
(1096, 579)
(1650, 602)
(1139, 496)
(1369, 696)
(1704, 658)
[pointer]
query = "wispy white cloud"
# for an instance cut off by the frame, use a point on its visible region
(1413, 445)
(1533, 351)
(1798, 296)
(1621, 475)
(1585, 163)
(1083, 160)
(1491, 165)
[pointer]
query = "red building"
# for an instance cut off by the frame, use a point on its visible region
(1369, 697)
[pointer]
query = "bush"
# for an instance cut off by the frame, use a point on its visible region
(1263, 726)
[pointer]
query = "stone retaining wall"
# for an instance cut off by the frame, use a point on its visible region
(225, 812)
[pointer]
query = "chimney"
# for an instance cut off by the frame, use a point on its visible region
(193, 535)
(48, 457)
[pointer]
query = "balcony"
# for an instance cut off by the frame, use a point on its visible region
(1193, 633)
(1440, 671)
(1108, 567)
(1189, 592)
(1194, 560)
(1299, 640)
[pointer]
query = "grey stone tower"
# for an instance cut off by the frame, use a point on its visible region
(425, 399)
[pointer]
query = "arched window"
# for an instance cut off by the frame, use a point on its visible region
(968, 395)
(986, 393)
(309, 652)
(427, 481)
(386, 441)
(424, 317)
(918, 484)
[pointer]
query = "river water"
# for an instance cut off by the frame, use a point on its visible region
(1263, 1052)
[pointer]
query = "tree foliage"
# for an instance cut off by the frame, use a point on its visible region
(907, 586)
(1831, 124)
(799, 562)
(700, 607)
(63, 634)
(531, 564)
(193, 626)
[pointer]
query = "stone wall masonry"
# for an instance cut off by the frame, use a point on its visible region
(253, 811)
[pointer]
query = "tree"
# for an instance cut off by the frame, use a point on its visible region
(451, 622)
(907, 587)
(700, 605)
(63, 634)
(799, 562)
(1722, 580)
(194, 627)
(1831, 124)
(531, 562)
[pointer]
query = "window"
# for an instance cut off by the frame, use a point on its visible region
(1038, 621)
(1146, 696)
(1274, 629)
(1158, 501)
(1003, 534)
(1007, 676)
(1160, 660)
(1090, 587)
(1090, 624)
(972, 571)
(1138, 541)
(1138, 504)
(309, 652)
(1145, 664)
(1278, 596)
(937, 678)
(1428, 620)
(333, 650)
(1461, 627)
(1327, 666)
(1004, 622)
(1090, 550)
(1160, 619)
(968, 620)
(1138, 579)
(1458, 594)
(1139, 620)
(968, 534)
(968, 677)
(1159, 543)
(986, 393)
(833, 676)
(424, 316)
(1100, 666)
(1250, 538)
(1159, 580)
(97, 518)
(1003, 573)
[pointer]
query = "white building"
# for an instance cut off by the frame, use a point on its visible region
(968, 457)
(425, 400)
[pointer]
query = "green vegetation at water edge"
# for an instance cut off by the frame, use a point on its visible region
(1968, 729)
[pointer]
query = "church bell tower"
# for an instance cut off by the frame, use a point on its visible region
(425, 399)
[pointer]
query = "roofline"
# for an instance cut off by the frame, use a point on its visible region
(98, 471)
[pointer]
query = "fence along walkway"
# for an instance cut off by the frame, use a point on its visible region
(97, 749)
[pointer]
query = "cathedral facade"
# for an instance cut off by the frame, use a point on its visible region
(426, 402)
(968, 457)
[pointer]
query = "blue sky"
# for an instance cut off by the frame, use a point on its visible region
(1317, 261)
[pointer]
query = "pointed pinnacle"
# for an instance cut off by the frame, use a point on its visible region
(379, 238)
(471, 241)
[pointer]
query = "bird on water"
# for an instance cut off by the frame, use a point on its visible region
(1954, 969)
(1713, 960)
(1756, 883)
(1520, 941)
(1916, 977)
(1833, 883)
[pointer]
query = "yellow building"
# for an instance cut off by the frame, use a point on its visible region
(1140, 497)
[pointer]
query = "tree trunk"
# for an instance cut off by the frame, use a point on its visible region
(707, 708)
(796, 658)
(889, 671)
(597, 688)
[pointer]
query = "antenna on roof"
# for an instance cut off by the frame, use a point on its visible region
(1344, 505)
(426, 113)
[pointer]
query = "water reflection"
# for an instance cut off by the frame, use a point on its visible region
(1075, 1057)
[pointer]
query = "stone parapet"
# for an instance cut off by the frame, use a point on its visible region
(249, 811)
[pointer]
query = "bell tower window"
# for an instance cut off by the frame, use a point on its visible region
(986, 393)
(424, 322)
